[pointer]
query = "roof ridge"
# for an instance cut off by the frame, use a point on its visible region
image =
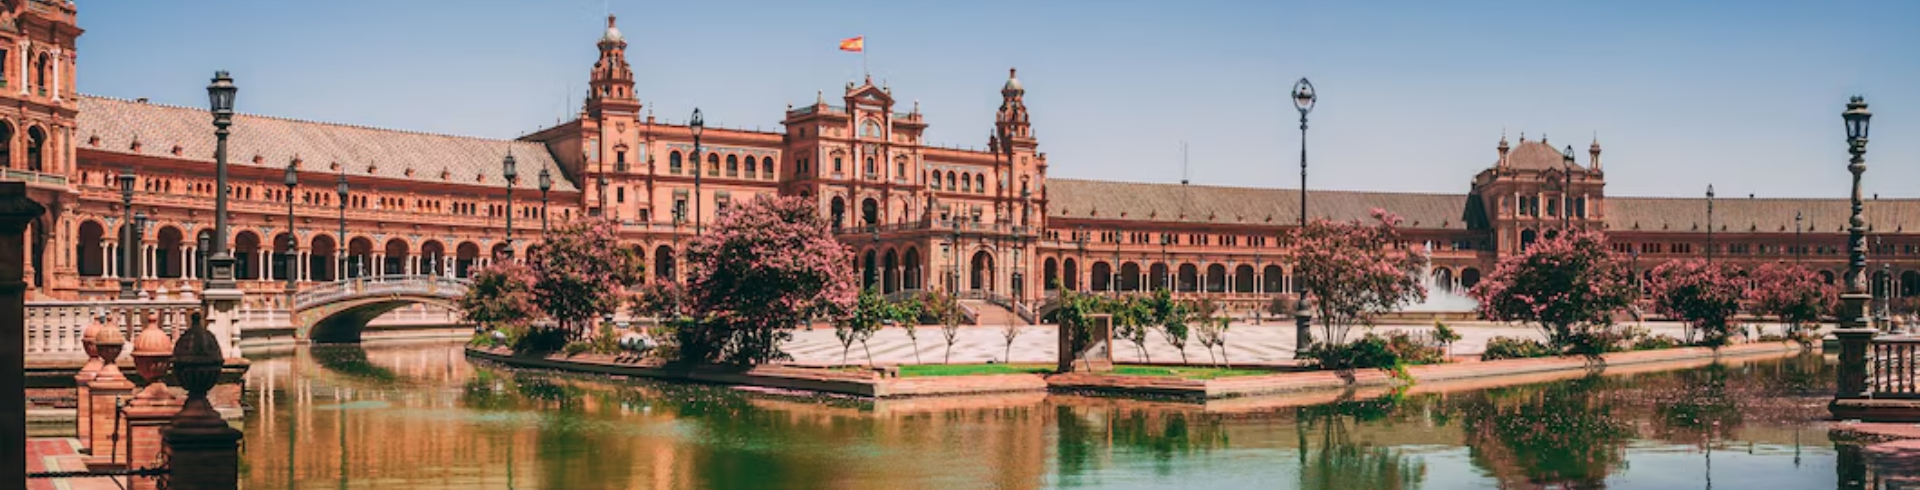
(310, 121)
(1230, 187)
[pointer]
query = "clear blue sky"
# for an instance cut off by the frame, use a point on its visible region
(1414, 95)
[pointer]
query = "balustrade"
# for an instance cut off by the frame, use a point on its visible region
(53, 327)
(1891, 367)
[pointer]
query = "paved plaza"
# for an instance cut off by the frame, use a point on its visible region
(1246, 342)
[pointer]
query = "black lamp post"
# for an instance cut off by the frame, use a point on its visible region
(1166, 281)
(546, 184)
(221, 93)
(342, 246)
(126, 235)
(292, 179)
(200, 256)
(695, 126)
(1303, 99)
(139, 264)
(1566, 191)
(1709, 224)
(1797, 245)
(1080, 237)
(1854, 300)
(513, 176)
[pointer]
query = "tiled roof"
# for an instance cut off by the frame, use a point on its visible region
(1131, 201)
(1745, 215)
(361, 151)
(1536, 154)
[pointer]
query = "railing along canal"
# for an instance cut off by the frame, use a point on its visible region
(379, 285)
(54, 327)
(1892, 366)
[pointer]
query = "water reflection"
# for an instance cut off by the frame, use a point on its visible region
(419, 416)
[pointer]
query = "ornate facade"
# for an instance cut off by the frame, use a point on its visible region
(920, 216)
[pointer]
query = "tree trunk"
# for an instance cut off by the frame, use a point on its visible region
(863, 347)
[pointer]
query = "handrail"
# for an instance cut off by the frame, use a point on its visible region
(377, 285)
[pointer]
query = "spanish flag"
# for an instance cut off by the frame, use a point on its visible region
(854, 44)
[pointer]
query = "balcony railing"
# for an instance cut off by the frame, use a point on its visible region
(1892, 365)
(36, 179)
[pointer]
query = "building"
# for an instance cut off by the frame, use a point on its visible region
(991, 223)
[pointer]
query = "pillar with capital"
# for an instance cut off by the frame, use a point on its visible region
(16, 210)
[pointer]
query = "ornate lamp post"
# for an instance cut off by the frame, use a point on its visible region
(127, 236)
(546, 184)
(343, 246)
(1797, 245)
(513, 176)
(1303, 99)
(1854, 332)
(1709, 224)
(603, 196)
(292, 180)
(695, 126)
(140, 223)
(1166, 282)
(1566, 191)
(1079, 237)
(220, 93)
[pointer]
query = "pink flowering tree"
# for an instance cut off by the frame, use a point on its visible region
(1352, 271)
(763, 268)
(1567, 286)
(1705, 296)
(1793, 294)
(582, 271)
(660, 299)
(501, 297)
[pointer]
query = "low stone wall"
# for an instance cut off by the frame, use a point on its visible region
(857, 383)
(1282, 383)
(872, 385)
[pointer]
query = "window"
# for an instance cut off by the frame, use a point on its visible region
(673, 162)
(620, 194)
(753, 169)
(713, 165)
(966, 184)
(900, 169)
(870, 130)
(871, 169)
(936, 181)
(980, 183)
(620, 161)
(836, 165)
(951, 182)
(733, 166)
(766, 165)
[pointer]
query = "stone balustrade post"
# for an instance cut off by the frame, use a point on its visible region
(16, 211)
(1853, 369)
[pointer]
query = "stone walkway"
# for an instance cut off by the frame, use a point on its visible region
(1266, 342)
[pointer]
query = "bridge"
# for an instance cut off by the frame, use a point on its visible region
(337, 312)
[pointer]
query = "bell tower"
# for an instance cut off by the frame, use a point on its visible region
(611, 86)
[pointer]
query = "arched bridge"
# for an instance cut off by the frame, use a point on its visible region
(337, 312)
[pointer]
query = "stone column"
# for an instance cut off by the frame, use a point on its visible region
(16, 210)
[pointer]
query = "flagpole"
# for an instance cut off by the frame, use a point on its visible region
(863, 58)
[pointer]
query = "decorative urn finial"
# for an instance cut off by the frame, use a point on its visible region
(153, 356)
(86, 343)
(108, 342)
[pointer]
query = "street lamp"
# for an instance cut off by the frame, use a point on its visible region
(127, 236)
(1566, 191)
(1797, 245)
(220, 94)
(1854, 300)
(1303, 99)
(1166, 280)
(546, 184)
(696, 126)
(1709, 224)
(292, 180)
(513, 176)
(1080, 237)
(341, 246)
(139, 224)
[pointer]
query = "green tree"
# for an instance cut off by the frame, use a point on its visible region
(501, 297)
(869, 312)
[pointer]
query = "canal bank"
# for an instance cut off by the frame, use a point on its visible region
(886, 383)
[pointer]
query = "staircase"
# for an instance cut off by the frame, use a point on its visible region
(992, 315)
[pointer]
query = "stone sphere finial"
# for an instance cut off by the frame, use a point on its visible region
(86, 338)
(109, 342)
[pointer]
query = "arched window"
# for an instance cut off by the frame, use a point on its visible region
(733, 166)
(36, 146)
(713, 165)
(870, 130)
(6, 144)
(40, 74)
(766, 165)
(952, 183)
(966, 183)
(936, 181)
(980, 183)
(753, 168)
(673, 162)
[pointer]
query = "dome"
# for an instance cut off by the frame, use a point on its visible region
(613, 33)
(1013, 84)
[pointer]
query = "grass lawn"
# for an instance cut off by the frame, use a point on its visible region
(1189, 372)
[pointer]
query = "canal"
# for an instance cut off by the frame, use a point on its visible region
(419, 416)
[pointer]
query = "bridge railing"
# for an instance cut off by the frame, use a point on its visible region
(54, 327)
(376, 285)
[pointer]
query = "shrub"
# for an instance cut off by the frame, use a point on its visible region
(541, 340)
(1515, 348)
(1705, 296)
(1651, 342)
(1391, 351)
(1568, 287)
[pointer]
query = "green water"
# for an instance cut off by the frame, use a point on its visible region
(419, 416)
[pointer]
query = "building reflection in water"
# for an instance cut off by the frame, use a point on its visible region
(420, 416)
